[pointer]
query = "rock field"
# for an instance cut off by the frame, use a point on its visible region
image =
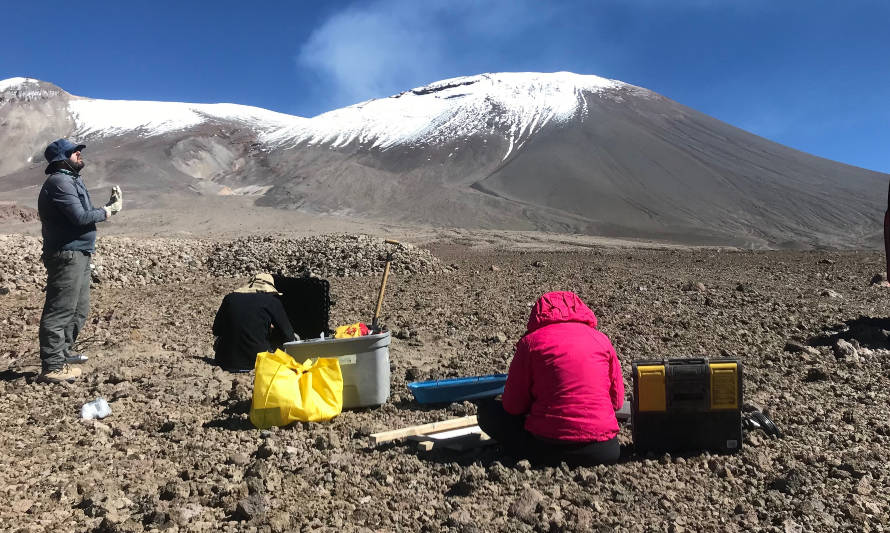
(10, 211)
(126, 261)
(179, 453)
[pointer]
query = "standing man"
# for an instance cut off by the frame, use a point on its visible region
(886, 282)
(68, 223)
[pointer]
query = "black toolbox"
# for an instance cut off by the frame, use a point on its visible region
(687, 405)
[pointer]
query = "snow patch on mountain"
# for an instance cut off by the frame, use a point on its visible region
(516, 105)
(26, 89)
(117, 117)
(15, 83)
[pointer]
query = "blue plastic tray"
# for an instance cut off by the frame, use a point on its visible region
(458, 389)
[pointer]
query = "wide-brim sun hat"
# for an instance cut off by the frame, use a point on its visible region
(261, 282)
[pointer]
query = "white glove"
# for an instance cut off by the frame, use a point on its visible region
(116, 202)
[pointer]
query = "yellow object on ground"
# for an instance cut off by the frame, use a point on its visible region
(285, 391)
(351, 330)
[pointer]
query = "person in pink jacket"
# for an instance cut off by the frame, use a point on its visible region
(563, 388)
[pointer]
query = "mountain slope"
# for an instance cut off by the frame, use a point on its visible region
(554, 152)
(660, 167)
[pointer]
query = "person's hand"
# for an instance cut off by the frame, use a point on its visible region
(116, 202)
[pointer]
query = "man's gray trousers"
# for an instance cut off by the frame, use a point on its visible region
(66, 307)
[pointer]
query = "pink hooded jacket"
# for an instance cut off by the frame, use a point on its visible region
(565, 375)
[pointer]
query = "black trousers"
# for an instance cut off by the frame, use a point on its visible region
(66, 307)
(510, 432)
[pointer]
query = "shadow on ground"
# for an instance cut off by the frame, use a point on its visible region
(233, 418)
(487, 455)
(870, 332)
(14, 375)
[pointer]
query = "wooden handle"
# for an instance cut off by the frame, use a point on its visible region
(380, 296)
(374, 324)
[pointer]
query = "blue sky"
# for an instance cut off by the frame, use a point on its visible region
(814, 75)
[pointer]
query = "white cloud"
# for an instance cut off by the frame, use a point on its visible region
(380, 48)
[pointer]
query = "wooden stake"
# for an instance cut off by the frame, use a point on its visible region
(459, 440)
(395, 434)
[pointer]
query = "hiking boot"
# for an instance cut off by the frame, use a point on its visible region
(74, 358)
(66, 373)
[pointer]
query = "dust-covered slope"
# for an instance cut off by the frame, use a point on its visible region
(643, 165)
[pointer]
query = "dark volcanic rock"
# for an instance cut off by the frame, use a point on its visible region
(252, 508)
(526, 506)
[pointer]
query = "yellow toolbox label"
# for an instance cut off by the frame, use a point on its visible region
(650, 388)
(724, 386)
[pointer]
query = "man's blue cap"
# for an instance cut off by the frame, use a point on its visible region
(61, 150)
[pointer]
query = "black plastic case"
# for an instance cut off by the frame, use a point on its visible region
(687, 405)
(307, 302)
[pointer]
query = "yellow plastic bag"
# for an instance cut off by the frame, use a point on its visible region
(285, 391)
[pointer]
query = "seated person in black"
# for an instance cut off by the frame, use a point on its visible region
(244, 321)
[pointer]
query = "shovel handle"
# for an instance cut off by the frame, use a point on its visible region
(374, 325)
(380, 295)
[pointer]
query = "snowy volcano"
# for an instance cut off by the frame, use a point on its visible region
(523, 151)
(513, 105)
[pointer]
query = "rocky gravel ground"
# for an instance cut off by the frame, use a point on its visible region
(10, 211)
(126, 261)
(323, 256)
(179, 453)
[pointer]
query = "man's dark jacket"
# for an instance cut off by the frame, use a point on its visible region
(243, 323)
(68, 218)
